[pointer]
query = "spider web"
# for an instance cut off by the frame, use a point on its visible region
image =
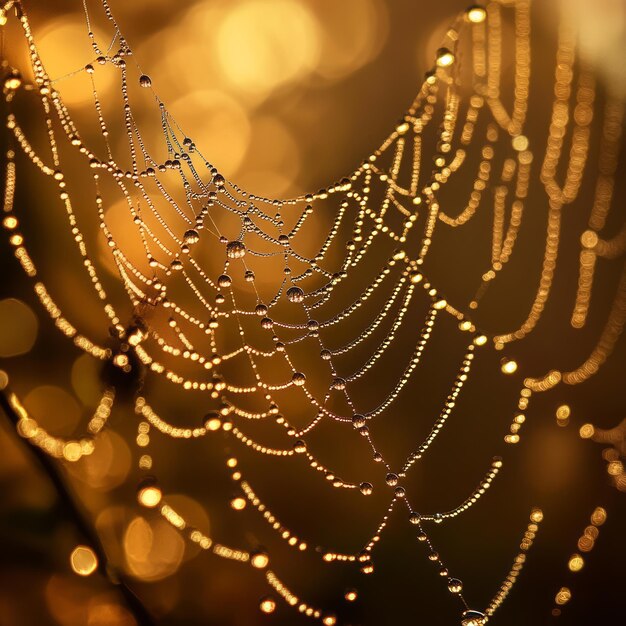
(312, 318)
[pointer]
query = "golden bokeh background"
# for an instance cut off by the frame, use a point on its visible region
(284, 96)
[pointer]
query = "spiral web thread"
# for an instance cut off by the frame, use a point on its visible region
(198, 308)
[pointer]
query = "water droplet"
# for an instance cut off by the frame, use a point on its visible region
(145, 81)
(235, 249)
(295, 294)
(391, 479)
(224, 281)
(366, 488)
(358, 421)
(455, 585)
(191, 236)
(213, 420)
(298, 379)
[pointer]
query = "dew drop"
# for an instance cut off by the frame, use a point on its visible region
(298, 379)
(366, 488)
(235, 249)
(358, 421)
(391, 479)
(295, 294)
(224, 281)
(191, 236)
(299, 446)
(338, 383)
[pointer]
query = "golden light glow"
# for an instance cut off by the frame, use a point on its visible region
(213, 423)
(83, 560)
(267, 604)
(259, 560)
(260, 47)
(10, 222)
(563, 412)
(262, 44)
(589, 239)
(586, 543)
(598, 517)
(508, 366)
(214, 118)
(66, 48)
(563, 596)
(238, 503)
(352, 34)
(351, 595)
(18, 328)
(476, 14)
(576, 563)
(481, 340)
(154, 549)
(12, 82)
(272, 159)
(149, 496)
(520, 143)
(445, 58)
(586, 431)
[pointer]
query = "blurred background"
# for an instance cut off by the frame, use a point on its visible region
(284, 96)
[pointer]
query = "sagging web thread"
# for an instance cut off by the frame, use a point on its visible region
(187, 314)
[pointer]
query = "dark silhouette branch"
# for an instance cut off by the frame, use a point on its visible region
(50, 467)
